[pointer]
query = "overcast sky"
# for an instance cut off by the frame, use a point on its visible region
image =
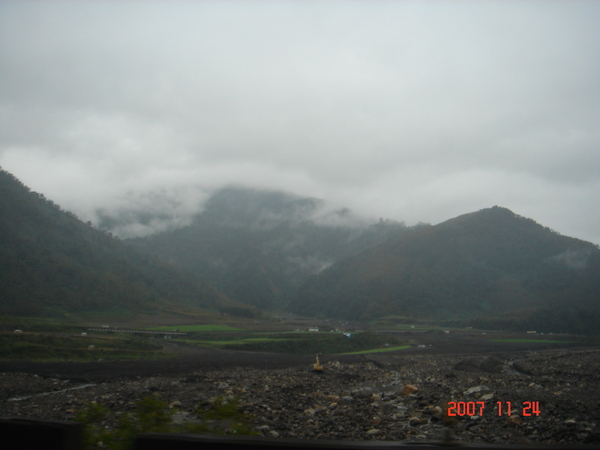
(413, 111)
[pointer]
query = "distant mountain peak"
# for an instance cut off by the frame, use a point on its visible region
(479, 265)
(52, 263)
(258, 246)
(241, 206)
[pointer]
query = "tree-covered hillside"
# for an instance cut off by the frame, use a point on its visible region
(492, 267)
(258, 247)
(52, 263)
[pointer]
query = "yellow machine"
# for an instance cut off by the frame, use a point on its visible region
(317, 365)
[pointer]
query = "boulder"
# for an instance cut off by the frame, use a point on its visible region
(476, 389)
(409, 389)
(514, 420)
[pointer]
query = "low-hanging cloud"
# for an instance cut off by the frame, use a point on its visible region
(417, 111)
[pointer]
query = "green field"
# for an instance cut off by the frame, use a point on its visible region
(60, 340)
(410, 323)
(196, 328)
(296, 342)
(534, 341)
(228, 343)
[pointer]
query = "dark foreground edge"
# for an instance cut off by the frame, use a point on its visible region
(32, 434)
(164, 441)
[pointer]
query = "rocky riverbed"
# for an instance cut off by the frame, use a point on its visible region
(375, 397)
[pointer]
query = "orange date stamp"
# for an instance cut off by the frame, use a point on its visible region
(502, 408)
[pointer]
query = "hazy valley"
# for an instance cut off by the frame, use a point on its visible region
(194, 333)
(250, 251)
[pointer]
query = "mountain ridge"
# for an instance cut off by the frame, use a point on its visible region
(258, 246)
(490, 268)
(477, 265)
(51, 263)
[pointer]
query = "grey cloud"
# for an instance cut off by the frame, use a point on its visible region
(411, 110)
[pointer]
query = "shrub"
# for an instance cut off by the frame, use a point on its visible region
(152, 415)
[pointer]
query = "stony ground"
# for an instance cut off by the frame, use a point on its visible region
(401, 396)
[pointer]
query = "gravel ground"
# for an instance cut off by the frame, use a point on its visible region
(386, 396)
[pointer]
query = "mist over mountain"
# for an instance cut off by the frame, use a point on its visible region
(142, 212)
(51, 263)
(273, 250)
(493, 268)
(259, 246)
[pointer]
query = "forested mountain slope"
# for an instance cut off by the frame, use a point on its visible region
(492, 267)
(52, 263)
(259, 246)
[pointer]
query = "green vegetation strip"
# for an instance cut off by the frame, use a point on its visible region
(534, 341)
(223, 343)
(196, 328)
(378, 350)
(297, 343)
